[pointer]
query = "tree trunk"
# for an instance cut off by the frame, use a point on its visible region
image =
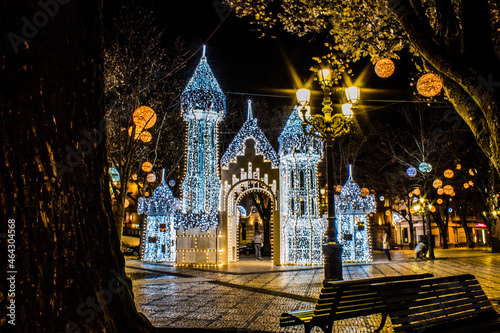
(70, 272)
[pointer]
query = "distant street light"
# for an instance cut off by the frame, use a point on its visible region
(328, 127)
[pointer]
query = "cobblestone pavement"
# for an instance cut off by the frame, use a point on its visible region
(250, 296)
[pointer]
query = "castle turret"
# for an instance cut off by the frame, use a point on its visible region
(302, 225)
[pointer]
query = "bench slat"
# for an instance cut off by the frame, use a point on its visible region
(407, 311)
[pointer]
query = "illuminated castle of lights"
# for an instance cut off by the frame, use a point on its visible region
(201, 229)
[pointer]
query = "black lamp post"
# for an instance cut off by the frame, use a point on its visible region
(328, 127)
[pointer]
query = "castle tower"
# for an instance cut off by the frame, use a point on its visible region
(352, 208)
(302, 226)
(203, 106)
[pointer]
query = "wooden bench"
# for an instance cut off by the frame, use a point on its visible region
(341, 300)
(447, 304)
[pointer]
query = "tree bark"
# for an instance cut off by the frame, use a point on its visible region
(70, 272)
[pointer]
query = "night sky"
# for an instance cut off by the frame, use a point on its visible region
(244, 63)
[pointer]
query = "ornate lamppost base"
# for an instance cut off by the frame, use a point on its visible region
(332, 258)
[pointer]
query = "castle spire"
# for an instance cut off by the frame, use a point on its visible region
(249, 110)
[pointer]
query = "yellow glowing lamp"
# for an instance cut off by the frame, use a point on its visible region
(437, 183)
(325, 76)
(449, 173)
(448, 189)
(347, 110)
(416, 207)
(429, 85)
(146, 166)
(384, 68)
(144, 117)
(303, 96)
(145, 136)
(353, 94)
(304, 116)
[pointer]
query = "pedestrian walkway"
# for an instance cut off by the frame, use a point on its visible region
(250, 296)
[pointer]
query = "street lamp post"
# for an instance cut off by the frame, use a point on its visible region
(328, 127)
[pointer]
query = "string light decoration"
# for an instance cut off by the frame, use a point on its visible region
(384, 68)
(203, 106)
(158, 236)
(302, 225)
(429, 85)
(250, 130)
(352, 210)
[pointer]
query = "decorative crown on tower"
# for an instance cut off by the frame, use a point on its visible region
(203, 91)
(292, 138)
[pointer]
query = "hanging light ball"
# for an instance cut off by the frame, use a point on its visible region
(416, 191)
(415, 199)
(411, 172)
(146, 166)
(429, 85)
(134, 176)
(452, 193)
(171, 183)
(450, 210)
(448, 189)
(433, 209)
(439, 201)
(115, 175)
(472, 172)
(424, 167)
(384, 68)
(381, 198)
(466, 185)
(145, 136)
(459, 166)
(151, 178)
(338, 188)
(364, 192)
(412, 211)
(471, 183)
(388, 213)
(437, 183)
(144, 117)
(126, 204)
(440, 191)
(449, 173)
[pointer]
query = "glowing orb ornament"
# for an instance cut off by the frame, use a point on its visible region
(115, 175)
(146, 166)
(416, 191)
(471, 183)
(126, 204)
(338, 188)
(364, 192)
(412, 211)
(429, 85)
(411, 172)
(433, 209)
(437, 183)
(151, 178)
(384, 68)
(440, 191)
(388, 213)
(134, 176)
(439, 201)
(466, 185)
(381, 198)
(424, 167)
(415, 199)
(448, 189)
(472, 172)
(459, 166)
(449, 173)
(144, 117)
(145, 136)
(450, 210)
(171, 183)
